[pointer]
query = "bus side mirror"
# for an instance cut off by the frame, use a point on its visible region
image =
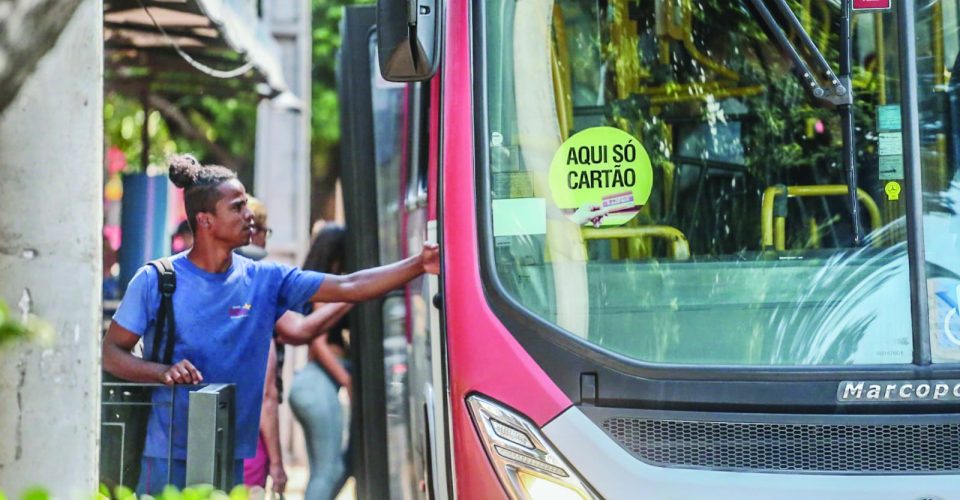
(408, 39)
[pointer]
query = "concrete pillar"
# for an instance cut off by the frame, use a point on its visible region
(51, 214)
(282, 173)
(282, 167)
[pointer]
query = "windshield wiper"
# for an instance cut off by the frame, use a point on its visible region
(837, 91)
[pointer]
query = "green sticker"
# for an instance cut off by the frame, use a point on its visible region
(892, 189)
(601, 176)
(888, 118)
(890, 143)
(891, 167)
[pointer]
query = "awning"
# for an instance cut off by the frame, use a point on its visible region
(190, 44)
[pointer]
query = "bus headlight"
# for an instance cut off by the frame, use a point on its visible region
(526, 463)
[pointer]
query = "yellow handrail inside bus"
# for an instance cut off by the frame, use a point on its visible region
(942, 177)
(624, 40)
(773, 229)
(560, 66)
(879, 41)
(677, 93)
(678, 244)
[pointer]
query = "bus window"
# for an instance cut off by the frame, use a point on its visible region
(714, 103)
(389, 104)
(419, 130)
(388, 101)
(938, 61)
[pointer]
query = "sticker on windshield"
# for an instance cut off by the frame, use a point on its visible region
(871, 4)
(601, 176)
(888, 118)
(892, 189)
(944, 319)
(890, 147)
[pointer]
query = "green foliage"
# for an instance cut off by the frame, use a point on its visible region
(221, 129)
(224, 128)
(35, 494)
(124, 493)
(325, 118)
(230, 122)
(202, 492)
(123, 120)
(12, 329)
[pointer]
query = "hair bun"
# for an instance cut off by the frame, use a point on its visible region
(184, 170)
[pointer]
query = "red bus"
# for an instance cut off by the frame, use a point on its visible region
(690, 249)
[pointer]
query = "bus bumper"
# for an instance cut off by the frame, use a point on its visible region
(616, 474)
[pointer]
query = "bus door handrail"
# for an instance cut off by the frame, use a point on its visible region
(773, 215)
(678, 244)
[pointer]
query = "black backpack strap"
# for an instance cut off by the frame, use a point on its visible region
(165, 327)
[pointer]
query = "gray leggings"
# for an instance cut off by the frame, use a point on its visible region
(313, 399)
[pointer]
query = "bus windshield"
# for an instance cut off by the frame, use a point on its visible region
(744, 252)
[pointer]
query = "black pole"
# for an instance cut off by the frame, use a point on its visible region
(803, 70)
(846, 120)
(811, 47)
(909, 113)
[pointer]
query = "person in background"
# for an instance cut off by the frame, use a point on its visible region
(182, 238)
(257, 248)
(313, 395)
(225, 308)
(268, 459)
(111, 284)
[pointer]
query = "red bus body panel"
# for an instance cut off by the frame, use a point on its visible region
(482, 355)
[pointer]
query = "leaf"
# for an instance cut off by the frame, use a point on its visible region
(199, 492)
(239, 493)
(124, 493)
(170, 493)
(40, 331)
(35, 493)
(35, 329)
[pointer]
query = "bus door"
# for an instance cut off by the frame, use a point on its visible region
(384, 198)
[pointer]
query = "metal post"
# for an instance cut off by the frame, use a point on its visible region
(911, 158)
(210, 435)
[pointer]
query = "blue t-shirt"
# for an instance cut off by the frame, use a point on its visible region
(224, 325)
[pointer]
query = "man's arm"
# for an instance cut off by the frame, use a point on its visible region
(270, 423)
(117, 360)
(371, 283)
(296, 329)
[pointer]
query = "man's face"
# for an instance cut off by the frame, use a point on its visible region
(232, 221)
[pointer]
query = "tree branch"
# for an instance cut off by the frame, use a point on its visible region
(176, 117)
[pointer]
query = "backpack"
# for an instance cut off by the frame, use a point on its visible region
(165, 324)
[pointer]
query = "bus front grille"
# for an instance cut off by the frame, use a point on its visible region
(791, 447)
